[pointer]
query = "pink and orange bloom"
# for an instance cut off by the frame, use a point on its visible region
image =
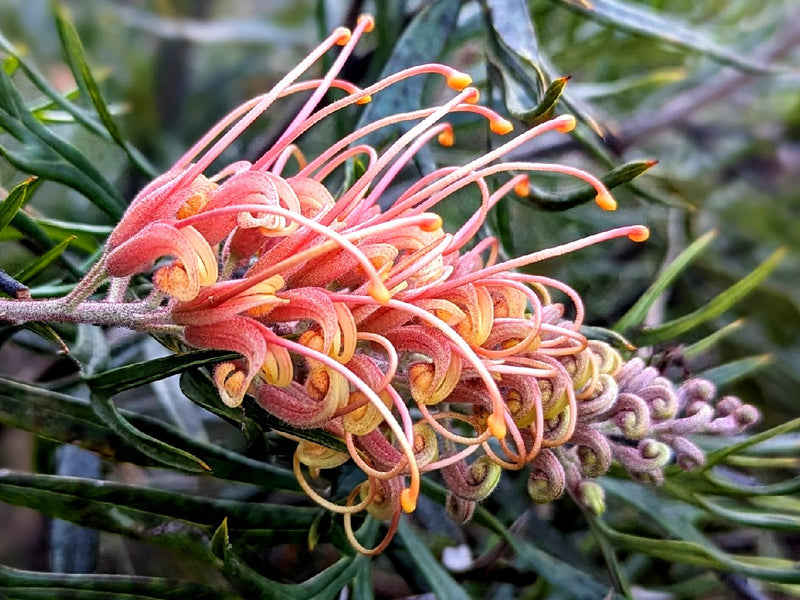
(417, 347)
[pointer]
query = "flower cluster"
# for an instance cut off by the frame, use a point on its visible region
(417, 347)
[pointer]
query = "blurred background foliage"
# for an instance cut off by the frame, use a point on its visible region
(710, 89)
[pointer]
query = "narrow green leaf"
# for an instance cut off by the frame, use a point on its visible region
(759, 518)
(138, 374)
(736, 370)
(68, 419)
(608, 336)
(440, 581)
(323, 586)
(700, 347)
(751, 440)
(62, 100)
(637, 313)
(100, 495)
(200, 390)
(44, 494)
(76, 59)
(616, 177)
(363, 588)
(75, 168)
(618, 575)
(168, 455)
(44, 331)
(45, 260)
(57, 169)
(514, 56)
(737, 489)
(640, 19)
(88, 237)
(16, 199)
(30, 585)
(714, 307)
(692, 546)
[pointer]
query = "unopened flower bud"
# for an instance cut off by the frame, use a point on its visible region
(687, 454)
(459, 509)
(592, 497)
(474, 482)
(592, 450)
(547, 479)
(632, 416)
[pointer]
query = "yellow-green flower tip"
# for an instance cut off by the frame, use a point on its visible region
(408, 500)
(497, 425)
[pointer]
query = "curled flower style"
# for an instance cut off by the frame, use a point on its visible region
(357, 314)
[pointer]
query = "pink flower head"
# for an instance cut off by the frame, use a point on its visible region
(365, 320)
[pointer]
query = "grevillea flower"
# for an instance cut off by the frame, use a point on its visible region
(362, 317)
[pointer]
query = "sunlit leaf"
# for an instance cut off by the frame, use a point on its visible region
(663, 27)
(714, 307)
(700, 347)
(47, 155)
(73, 49)
(32, 269)
(637, 313)
(16, 199)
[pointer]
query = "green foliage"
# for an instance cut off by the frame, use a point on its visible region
(719, 204)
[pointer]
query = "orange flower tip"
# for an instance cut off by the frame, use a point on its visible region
(497, 425)
(651, 163)
(380, 293)
(368, 20)
(364, 99)
(523, 188)
(446, 138)
(605, 201)
(473, 96)
(432, 223)
(565, 123)
(640, 233)
(458, 80)
(344, 35)
(408, 500)
(501, 126)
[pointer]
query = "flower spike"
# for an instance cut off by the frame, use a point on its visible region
(356, 314)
